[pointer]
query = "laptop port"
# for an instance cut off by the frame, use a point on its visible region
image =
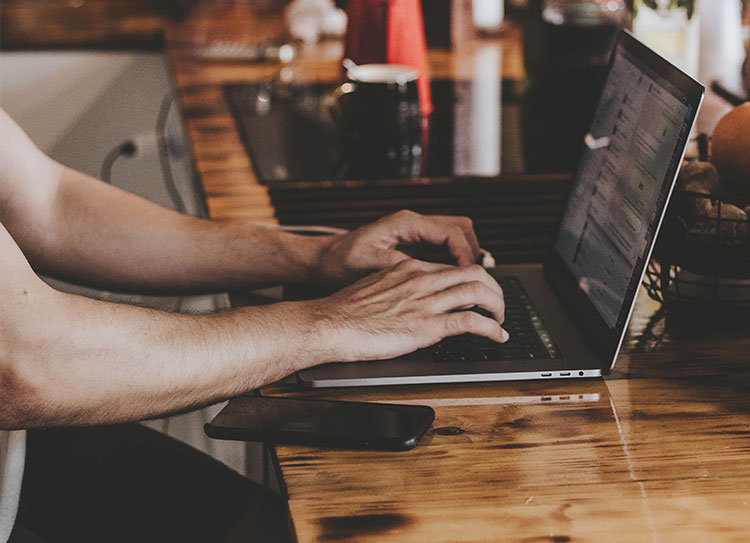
(565, 374)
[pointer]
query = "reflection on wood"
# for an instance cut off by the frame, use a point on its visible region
(621, 460)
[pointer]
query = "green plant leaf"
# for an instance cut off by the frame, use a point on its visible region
(690, 8)
(687, 5)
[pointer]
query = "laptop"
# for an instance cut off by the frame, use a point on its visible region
(567, 319)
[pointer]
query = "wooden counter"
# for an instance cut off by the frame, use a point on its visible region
(231, 186)
(91, 24)
(657, 451)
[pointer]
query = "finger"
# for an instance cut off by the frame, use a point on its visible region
(457, 245)
(456, 233)
(468, 295)
(450, 276)
(469, 322)
(382, 260)
(404, 271)
(397, 275)
(412, 266)
(390, 257)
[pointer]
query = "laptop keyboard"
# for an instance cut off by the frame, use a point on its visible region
(529, 339)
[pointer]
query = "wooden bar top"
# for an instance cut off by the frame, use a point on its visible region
(621, 461)
(656, 451)
(75, 24)
(231, 186)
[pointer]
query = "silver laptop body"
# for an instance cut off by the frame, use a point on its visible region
(585, 292)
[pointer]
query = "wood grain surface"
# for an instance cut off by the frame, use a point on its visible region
(621, 460)
(656, 451)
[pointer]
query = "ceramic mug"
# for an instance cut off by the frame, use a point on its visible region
(380, 119)
(389, 32)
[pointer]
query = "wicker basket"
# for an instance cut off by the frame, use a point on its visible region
(704, 264)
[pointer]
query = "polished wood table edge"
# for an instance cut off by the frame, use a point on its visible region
(102, 25)
(148, 43)
(622, 409)
(437, 182)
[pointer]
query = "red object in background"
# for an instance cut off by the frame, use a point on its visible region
(390, 31)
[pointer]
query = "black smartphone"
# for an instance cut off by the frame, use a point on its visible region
(322, 423)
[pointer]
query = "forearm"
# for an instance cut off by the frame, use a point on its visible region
(68, 360)
(82, 361)
(71, 360)
(104, 237)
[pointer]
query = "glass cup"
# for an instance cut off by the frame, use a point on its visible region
(581, 31)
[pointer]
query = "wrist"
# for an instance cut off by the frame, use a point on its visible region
(314, 251)
(316, 336)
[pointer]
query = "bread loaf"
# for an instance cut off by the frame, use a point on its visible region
(700, 178)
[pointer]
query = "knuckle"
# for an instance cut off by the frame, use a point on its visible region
(476, 270)
(405, 214)
(457, 231)
(475, 288)
(418, 282)
(408, 264)
(467, 320)
(466, 223)
(471, 320)
(454, 325)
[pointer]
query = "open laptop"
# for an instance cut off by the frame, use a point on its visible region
(568, 319)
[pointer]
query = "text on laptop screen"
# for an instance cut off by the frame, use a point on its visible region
(614, 208)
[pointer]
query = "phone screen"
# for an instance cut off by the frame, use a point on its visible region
(327, 423)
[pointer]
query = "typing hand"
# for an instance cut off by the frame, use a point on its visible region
(411, 305)
(378, 245)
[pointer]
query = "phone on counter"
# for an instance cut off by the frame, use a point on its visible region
(322, 423)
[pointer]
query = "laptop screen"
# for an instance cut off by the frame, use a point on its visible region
(633, 152)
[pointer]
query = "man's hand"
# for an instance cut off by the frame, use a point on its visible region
(374, 247)
(406, 307)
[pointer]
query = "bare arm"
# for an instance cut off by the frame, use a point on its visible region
(74, 227)
(65, 359)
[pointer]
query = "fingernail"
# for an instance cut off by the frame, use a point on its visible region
(506, 335)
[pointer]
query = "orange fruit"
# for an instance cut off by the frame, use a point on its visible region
(730, 146)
